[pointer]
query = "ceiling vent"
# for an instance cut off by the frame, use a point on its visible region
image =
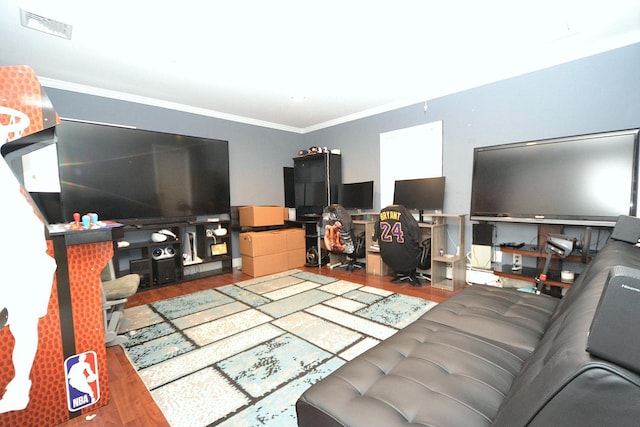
(46, 25)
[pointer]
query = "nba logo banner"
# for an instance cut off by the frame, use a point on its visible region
(81, 374)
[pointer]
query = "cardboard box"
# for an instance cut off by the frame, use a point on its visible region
(263, 265)
(295, 238)
(297, 258)
(376, 266)
(260, 216)
(258, 243)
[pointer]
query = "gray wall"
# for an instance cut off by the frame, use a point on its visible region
(599, 93)
(595, 94)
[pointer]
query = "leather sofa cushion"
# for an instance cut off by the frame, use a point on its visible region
(429, 374)
(504, 315)
(453, 366)
(561, 381)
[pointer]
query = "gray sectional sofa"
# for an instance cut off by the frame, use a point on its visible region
(492, 356)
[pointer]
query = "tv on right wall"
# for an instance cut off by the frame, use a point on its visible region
(578, 180)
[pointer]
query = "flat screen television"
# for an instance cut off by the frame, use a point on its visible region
(139, 176)
(357, 195)
(578, 180)
(421, 194)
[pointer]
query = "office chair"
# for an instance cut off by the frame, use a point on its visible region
(401, 245)
(115, 292)
(339, 238)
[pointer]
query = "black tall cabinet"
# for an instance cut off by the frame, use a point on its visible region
(317, 181)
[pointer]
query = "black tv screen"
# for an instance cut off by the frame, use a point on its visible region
(581, 180)
(422, 194)
(357, 195)
(133, 175)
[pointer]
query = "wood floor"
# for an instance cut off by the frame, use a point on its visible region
(131, 405)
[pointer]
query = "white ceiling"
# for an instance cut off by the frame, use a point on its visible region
(244, 59)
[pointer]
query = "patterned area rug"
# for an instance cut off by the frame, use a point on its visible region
(242, 354)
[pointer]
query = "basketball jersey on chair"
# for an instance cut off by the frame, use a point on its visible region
(398, 235)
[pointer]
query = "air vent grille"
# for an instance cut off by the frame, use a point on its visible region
(44, 24)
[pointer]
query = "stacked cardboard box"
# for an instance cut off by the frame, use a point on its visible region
(273, 251)
(261, 216)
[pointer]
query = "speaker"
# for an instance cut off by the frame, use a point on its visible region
(483, 234)
(614, 333)
(163, 253)
(627, 229)
(164, 271)
(289, 187)
(141, 267)
(312, 257)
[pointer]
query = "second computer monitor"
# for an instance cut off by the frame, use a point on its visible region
(422, 194)
(357, 195)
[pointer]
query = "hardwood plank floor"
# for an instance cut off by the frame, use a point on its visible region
(131, 404)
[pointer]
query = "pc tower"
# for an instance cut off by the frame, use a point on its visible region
(482, 246)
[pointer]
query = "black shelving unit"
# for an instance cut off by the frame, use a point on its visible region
(164, 263)
(317, 181)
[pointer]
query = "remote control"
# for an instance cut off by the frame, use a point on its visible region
(512, 245)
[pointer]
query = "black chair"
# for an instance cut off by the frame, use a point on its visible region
(339, 238)
(401, 245)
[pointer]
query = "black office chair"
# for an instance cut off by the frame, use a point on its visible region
(339, 238)
(401, 245)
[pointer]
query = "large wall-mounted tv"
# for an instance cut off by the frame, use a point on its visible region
(579, 180)
(140, 176)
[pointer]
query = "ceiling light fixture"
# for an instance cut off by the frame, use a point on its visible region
(46, 25)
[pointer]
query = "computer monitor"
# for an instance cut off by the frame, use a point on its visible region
(421, 194)
(357, 195)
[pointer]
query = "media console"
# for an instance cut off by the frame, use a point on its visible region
(200, 249)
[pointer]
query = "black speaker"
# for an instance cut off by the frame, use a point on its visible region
(614, 334)
(627, 229)
(289, 187)
(141, 267)
(483, 234)
(164, 270)
(313, 257)
(162, 253)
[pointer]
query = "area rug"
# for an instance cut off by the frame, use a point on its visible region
(242, 354)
